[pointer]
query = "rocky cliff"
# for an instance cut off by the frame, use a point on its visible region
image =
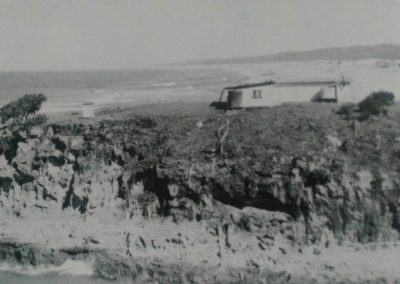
(299, 174)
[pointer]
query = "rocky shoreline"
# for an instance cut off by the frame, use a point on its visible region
(163, 198)
(117, 268)
(122, 269)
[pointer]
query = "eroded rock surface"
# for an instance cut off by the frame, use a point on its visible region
(297, 178)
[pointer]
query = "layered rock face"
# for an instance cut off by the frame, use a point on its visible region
(296, 170)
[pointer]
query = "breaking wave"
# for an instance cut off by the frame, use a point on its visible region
(167, 84)
(70, 267)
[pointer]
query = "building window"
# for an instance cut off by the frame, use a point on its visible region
(257, 94)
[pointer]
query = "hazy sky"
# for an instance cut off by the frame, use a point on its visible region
(113, 34)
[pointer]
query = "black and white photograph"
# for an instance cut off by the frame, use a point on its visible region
(199, 141)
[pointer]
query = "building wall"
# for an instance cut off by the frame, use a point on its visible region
(273, 95)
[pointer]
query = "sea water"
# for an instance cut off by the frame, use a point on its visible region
(67, 90)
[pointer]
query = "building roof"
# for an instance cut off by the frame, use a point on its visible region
(292, 82)
(250, 85)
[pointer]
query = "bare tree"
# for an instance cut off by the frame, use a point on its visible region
(221, 134)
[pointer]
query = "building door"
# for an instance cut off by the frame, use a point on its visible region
(235, 99)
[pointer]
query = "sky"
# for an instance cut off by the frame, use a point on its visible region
(125, 34)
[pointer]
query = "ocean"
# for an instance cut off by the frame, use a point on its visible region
(67, 90)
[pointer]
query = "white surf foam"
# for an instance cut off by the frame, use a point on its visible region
(70, 267)
(166, 84)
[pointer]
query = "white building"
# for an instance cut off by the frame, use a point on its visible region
(88, 110)
(272, 93)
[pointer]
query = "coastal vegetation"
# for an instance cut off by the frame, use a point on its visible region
(22, 113)
(376, 103)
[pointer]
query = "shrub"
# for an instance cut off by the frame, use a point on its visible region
(317, 177)
(22, 112)
(375, 104)
(347, 110)
(37, 120)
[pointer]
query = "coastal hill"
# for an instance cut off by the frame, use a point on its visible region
(379, 51)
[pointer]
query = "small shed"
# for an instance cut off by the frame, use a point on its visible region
(272, 93)
(88, 110)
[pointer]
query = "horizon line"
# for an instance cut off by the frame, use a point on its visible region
(189, 61)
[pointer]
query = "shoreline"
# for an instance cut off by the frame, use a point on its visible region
(351, 263)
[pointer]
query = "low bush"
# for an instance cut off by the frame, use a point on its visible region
(376, 103)
(347, 110)
(22, 112)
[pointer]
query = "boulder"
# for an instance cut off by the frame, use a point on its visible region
(258, 220)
